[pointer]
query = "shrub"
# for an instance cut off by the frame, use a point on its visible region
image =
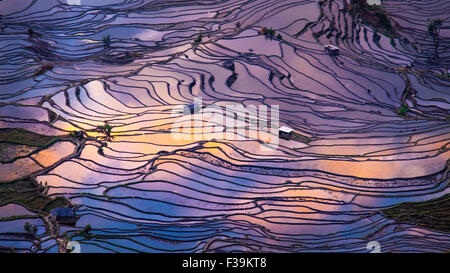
(87, 229)
(199, 38)
(107, 40)
(403, 109)
(28, 227)
(267, 32)
(106, 130)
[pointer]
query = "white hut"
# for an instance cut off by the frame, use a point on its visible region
(332, 50)
(285, 132)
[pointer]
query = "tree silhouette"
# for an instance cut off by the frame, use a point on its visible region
(434, 27)
(106, 130)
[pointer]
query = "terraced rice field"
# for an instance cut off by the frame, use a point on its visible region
(67, 70)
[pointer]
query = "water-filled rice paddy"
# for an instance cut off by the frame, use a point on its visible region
(127, 63)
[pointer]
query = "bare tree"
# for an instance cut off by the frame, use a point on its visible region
(434, 27)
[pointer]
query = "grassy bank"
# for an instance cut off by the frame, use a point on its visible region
(21, 136)
(25, 193)
(432, 214)
(373, 15)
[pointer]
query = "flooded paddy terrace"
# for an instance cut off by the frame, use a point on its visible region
(72, 68)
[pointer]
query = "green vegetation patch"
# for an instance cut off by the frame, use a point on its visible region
(403, 109)
(106, 130)
(17, 142)
(301, 138)
(21, 136)
(27, 194)
(374, 15)
(199, 38)
(432, 214)
(11, 151)
(269, 33)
